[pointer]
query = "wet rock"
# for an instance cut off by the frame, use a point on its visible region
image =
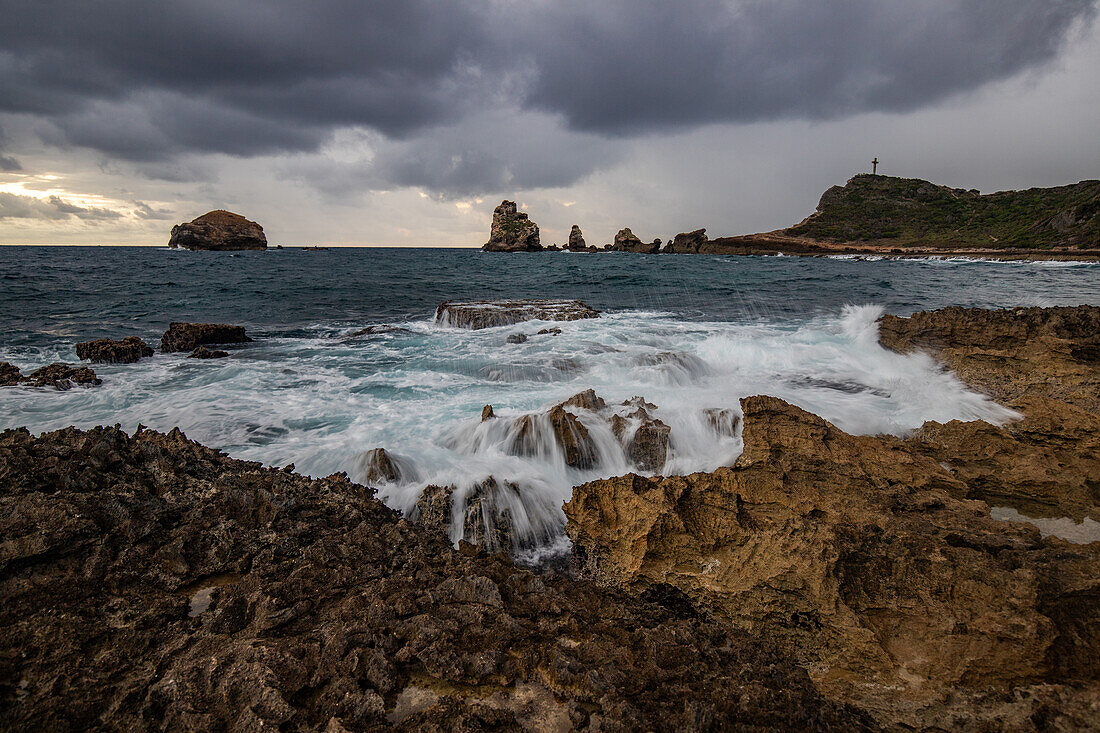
(860, 557)
(626, 241)
(549, 332)
(576, 240)
(516, 338)
(487, 413)
(723, 421)
(512, 231)
(109, 351)
(378, 466)
(644, 437)
(476, 314)
(219, 230)
(9, 374)
(1048, 463)
(586, 400)
(486, 516)
(339, 609)
(688, 242)
(204, 353)
(377, 330)
(62, 376)
(187, 336)
(570, 435)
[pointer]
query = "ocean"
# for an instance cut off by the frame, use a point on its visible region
(686, 332)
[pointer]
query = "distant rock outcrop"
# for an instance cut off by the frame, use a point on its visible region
(9, 374)
(109, 351)
(627, 241)
(512, 231)
(219, 230)
(688, 242)
(475, 314)
(187, 336)
(576, 239)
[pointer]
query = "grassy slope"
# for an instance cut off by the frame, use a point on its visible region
(909, 211)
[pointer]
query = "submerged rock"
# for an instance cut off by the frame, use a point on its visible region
(512, 231)
(204, 353)
(644, 437)
(517, 338)
(188, 336)
(219, 230)
(62, 377)
(109, 351)
(476, 314)
(863, 559)
(377, 330)
(175, 588)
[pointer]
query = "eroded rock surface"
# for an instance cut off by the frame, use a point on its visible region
(219, 230)
(203, 352)
(576, 239)
(688, 242)
(476, 314)
(627, 241)
(1044, 362)
(111, 351)
(9, 374)
(62, 376)
(149, 582)
(188, 336)
(863, 558)
(512, 231)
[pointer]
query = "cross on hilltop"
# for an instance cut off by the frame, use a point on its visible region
(874, 166)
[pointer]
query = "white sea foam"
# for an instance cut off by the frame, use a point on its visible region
(321, 402)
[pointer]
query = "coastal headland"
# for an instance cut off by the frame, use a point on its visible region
(880, 216)
(822, 581)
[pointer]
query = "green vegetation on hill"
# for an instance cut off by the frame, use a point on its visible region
(908, 211)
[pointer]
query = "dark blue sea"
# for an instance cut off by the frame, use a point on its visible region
(688, 333)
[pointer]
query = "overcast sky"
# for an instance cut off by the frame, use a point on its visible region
(406, 122)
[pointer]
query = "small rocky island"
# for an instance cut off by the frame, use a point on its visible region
(512, 231)
(220, 231)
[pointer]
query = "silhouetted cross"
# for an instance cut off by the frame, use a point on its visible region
(874, 166)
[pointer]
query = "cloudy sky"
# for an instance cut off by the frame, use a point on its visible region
(405, 122)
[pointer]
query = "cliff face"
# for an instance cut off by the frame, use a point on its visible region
(901, 211)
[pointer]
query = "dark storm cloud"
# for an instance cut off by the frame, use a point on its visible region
(151, 81)
(9, 164)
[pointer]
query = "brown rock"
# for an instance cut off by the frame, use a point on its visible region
(324, 611)
(109, 351)
(476, 314)
(377, 465)
(516, 338)
(512, 231)
(9, 374)
(570, 435)
(219, 230)
(586, 400)
(858, 557)
(689, 242)
(576, 240)
(487, 413)
(204, 353)
(647, 445)
(63, 377)
(626, 241)
(187, 336)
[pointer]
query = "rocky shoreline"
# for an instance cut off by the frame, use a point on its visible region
(823, 581)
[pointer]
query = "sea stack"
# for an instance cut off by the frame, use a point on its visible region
(627, 241)
(219, 230)
(576, 239)
(512, 231)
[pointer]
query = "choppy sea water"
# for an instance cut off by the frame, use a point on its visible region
(687, 333)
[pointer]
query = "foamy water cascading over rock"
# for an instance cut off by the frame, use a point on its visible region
(476, 314)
